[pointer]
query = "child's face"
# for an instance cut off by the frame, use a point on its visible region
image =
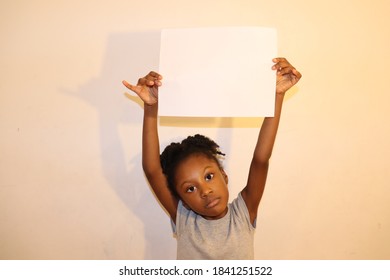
(202, 186)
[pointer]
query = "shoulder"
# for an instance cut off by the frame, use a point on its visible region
(239, 209)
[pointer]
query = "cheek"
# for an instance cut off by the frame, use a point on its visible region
(191, 203)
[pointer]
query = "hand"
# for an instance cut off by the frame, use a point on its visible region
(147, 88)
(287, 75)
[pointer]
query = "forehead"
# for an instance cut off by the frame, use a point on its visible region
(196, 161)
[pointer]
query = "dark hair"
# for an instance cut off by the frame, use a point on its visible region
(176, 152)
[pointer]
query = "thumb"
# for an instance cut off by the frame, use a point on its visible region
(130, 87)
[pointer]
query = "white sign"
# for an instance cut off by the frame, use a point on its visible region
(217, 72)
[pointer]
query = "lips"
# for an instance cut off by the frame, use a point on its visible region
(212, 202)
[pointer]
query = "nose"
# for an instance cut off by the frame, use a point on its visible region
(205, 191)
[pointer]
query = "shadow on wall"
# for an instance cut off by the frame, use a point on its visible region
(128, 56)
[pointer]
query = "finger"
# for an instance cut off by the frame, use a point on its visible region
(291, 72)
(297, 73)
(280, 63)
(146, 81)
(154, 75)
(285, 70)
(278, 60)
(283, 67)
(149, 82)
(129, 86)
(153, 79)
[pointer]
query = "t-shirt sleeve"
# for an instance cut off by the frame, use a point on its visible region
(181, 210)
(240, 210)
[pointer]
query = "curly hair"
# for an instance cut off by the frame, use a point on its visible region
(175, 153)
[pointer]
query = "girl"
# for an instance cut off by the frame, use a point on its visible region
(191, 184)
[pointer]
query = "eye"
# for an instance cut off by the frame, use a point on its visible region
(209, 176)
(191, 189)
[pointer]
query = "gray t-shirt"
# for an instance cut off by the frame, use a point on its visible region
(228, 238)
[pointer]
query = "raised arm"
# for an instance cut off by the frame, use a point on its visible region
(147, 90)
(287, 76)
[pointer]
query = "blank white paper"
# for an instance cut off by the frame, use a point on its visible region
(217, 72)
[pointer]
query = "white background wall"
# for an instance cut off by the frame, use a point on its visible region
(71, 184)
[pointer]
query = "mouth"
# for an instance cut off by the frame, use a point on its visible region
(212, 203)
